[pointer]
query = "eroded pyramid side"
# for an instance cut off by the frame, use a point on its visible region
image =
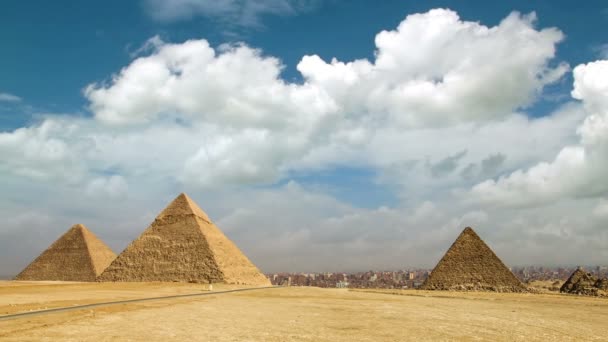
(469, 264)
(78, 255)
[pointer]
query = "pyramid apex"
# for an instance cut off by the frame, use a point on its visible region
(79, 226)
(470, 232)
(183, 205)
(468, 229)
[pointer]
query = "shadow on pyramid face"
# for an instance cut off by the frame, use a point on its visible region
(182, 244)
(470, 265)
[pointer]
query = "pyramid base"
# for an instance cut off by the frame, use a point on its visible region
(260, 282)
(476, 288)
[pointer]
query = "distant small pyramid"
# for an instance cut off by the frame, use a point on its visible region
(574, 278)
(78, 255)
(470, 264)
(602, 284)
(182, 244)
(584, 283)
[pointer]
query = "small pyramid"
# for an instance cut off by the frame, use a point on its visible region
(470, 264)
(182, 244)
(601, 284)
(581, 282)
(78, 255)
(574, 278)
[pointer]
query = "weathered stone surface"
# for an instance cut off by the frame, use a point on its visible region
(602, 284)
(574, 278)
(182, 244)
(583, 283)
(78, 255)
(470, 265)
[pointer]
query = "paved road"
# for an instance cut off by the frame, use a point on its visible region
(96, 305)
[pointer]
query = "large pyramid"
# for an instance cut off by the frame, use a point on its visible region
(78, 255)
(470, 264)
(182, 244)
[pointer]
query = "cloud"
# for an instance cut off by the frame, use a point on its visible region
(577, 170)
(435, 70)
(233, 96)
(602, 51)
(245, 13)
(147, 47)
(390, 150)
(235, 86)
(447, 165)
(41, 152)
(461, 72)
(6, 97)
(112, 187)
(492, 163)
(487, 168)
(601, 210)
(314, 228)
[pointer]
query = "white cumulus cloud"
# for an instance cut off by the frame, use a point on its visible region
(578, 170)
(436, 69)
(40, 152)
(245, 124)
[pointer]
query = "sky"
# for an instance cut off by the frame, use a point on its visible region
(318, 135)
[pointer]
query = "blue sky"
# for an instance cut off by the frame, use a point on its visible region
(396, 145)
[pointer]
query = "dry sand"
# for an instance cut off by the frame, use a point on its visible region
(300, 314)
(24, 296)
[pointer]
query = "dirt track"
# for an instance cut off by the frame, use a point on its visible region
(301, 314)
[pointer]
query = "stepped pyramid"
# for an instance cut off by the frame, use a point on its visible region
(182, 244)
(470, 264)
(78, 255)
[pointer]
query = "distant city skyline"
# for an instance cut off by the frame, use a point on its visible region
(412, 277)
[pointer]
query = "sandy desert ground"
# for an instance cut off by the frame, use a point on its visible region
(295, 314)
